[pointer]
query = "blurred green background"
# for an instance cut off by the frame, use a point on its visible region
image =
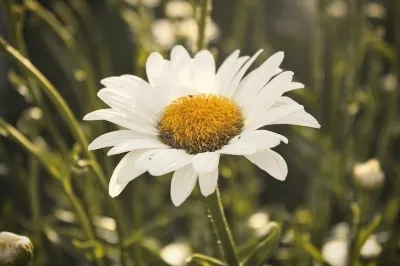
(346, 52)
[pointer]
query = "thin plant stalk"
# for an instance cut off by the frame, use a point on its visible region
(221, 228)
(103, 53)
(202, 22)
(392, 108)
(20, 139)
(34, 193)
(70, 42)
(73, 125)
(15, 32)
(318, 51)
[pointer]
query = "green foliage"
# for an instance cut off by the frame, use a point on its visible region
(54, 190)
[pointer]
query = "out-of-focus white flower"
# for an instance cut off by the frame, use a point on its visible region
(188, 30)
(335, 252)
(105, 222)
(341, 230)
(389, 82)
(163, 33)
(65, 216)
(288, 237)
(178, 9)
(36, 113)
(371, 248)
(368, 175)
(148, 3)
(337, 9)
(176, 254)
(15, 249)
(259, 223)
(375, 10)
(52, 235)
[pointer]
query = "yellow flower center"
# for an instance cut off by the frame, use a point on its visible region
(200, 123)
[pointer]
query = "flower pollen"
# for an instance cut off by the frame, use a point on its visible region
(200, 123)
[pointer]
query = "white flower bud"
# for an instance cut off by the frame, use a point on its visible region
(178, 9)
(341, 230)
(15, 250)
(335, 252)
(371, 248)
(368, 175)
(259, 223)
(176, 253)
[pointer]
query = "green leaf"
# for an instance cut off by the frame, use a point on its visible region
(203, 260)
(265, 247)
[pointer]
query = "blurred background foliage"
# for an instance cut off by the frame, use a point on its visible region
(337, 207)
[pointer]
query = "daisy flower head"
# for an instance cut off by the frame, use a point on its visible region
(189, 114)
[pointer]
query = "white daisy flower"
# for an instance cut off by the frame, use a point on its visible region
(189, 114)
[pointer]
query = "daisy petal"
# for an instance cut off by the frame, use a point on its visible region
(126, 171)
(163, 161)
(113, 138)
(226, 66)
(226, 80)
(262, 139)
(238, 148)
(208, 182)
(182, 184)
(125, 104)
(154, 66)
(273, 90)
(204, 72)
(301, 118)
(120, 119)
(295, 86)
(127, 85)
(256, 80)
(268, 117)
(205, 162)
(137, 144)
(115, 189)
(235, 82)
(284, 100)
(271, 162)
(179, 56)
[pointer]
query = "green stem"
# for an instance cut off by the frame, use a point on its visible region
(69, 41)
(95, 33)
(221, 228)
(202, 22)
(318, 51)
(389, 124)
(20, 139)
(73, 125)
(85, 221)
(16, 34)
(34, 194)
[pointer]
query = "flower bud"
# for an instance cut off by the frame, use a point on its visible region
(15, 250)
(176, 253)
(178, 9)
(335, 252)
(371, 248)
(368, 175)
